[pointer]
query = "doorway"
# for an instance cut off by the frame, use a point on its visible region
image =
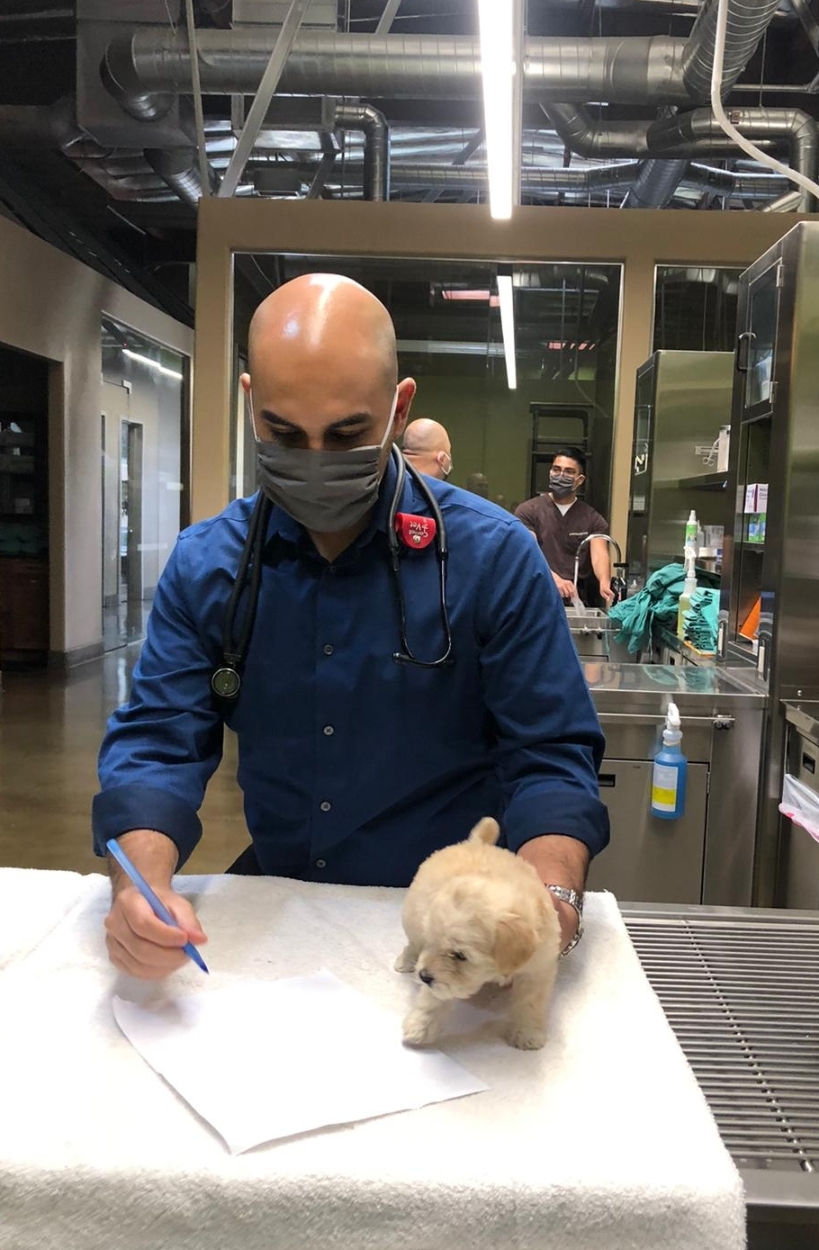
(130, 515)
(24, 509)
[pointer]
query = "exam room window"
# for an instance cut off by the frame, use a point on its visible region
(447, 321)
(143, 433)
(695, 308)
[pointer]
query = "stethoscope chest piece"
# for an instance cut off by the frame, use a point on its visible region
(226, 683)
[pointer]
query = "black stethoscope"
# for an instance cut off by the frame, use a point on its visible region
(226, 681)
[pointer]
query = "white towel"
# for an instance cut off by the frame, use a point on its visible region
(31, 904)
(602, 1140)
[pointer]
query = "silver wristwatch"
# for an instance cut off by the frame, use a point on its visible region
(575, 900)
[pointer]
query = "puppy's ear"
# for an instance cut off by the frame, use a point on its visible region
(515, 944)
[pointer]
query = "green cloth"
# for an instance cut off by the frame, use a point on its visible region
(656, 604)
(700, 621)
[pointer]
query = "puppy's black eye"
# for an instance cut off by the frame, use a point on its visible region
(459, 955)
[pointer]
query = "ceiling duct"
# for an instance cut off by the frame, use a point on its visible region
(640, 70)
(376, 146)
(747, 22)
(179, 169)
(656, 183)
(688, 134)
(543, 181)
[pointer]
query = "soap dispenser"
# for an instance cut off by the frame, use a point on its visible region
(688, 590)
(670, 771)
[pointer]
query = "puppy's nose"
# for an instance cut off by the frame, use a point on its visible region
(426, 977)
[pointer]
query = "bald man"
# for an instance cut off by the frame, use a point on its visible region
(426, 445)
(376, 719)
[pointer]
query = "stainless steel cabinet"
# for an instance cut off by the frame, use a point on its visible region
(650, 860)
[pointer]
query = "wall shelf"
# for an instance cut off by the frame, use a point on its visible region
(704, 481)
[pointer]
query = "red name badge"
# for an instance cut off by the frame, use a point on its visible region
(415, 532)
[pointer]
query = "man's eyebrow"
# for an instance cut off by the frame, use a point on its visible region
(356, 418)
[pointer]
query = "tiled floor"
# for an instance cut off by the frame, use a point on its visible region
(51, 725)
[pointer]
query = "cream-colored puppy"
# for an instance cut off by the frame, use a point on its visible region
(475, 914)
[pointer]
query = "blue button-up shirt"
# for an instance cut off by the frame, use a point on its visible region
(355, 767)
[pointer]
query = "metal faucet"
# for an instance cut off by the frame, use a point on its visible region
(618, 584)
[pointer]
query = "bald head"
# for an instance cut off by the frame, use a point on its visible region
(426, 445)
(328, 322)
(323, 366)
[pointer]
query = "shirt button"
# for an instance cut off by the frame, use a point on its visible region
(327, 649)
(325, 806)
(321, 863)
(329, 731)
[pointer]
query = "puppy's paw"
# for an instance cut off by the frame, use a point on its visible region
(405, 961)
(525, 1036)
(419, 1029)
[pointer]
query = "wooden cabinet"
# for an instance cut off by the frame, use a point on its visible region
(23, 608)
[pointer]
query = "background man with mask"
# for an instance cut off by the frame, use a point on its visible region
(354, 765)
(560, 521)
(427, 447)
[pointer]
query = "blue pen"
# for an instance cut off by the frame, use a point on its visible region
(159, 909)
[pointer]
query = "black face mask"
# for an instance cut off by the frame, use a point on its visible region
(560, 484)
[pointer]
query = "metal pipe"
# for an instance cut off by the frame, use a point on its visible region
(376, 146)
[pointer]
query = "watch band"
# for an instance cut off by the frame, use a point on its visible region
(574, 900)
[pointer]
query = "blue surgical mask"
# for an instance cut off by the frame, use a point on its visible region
(325, 491)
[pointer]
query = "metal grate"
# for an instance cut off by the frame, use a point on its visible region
(742, 997)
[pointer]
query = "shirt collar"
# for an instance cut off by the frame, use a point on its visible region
(284, 533)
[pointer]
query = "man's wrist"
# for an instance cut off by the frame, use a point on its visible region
(569, 906)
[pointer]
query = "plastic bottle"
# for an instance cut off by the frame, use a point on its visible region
(691, 529)
(688, 590)
(670, 771)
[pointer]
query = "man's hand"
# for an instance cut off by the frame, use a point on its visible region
(141, 944)
(138, 941)
(565, 588)
(606, 593)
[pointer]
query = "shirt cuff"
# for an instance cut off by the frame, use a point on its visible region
(123, 808)
(569, 813)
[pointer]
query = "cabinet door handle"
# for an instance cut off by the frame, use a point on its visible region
(744, 342)
(607, 781)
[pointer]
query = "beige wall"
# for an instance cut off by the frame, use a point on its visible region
(639, 239)
(491, 426)
(51, 306)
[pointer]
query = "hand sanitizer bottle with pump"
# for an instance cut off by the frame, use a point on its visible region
(692, 527)
(688, 590)
(670, 771)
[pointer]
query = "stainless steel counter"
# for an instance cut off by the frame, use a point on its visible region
(803, 714)
(739, 989)
(706, 856)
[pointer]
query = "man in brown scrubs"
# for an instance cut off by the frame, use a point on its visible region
(560, 521)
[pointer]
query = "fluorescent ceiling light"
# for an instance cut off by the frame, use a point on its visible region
(154, 364)
(496, 19)
(507, 312)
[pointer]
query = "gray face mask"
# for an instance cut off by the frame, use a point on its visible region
(560, 485)
(325, 491)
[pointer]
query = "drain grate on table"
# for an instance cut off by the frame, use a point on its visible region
(743, 999)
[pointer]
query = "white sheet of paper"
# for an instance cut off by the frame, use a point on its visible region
(330, 1056)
